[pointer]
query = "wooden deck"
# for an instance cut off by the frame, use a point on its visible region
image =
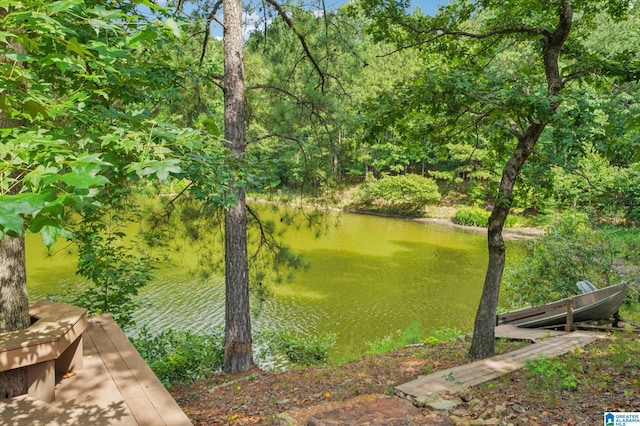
(115, 387)
(455, 379)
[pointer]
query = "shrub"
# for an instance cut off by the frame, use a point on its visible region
(412, 335)
(396, 340)
(300, 350)
(405, 195)
(477, 216)
(570, 251)
(600, 187)
(181, 356)
(442, 334)
(551, 375)
(472, 216)
(627, 193)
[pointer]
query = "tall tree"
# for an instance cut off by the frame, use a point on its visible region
(514, 105)
(238, 354)
(238, 350)
(482, 344)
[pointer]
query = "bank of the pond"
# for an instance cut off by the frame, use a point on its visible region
(511, 234)
(575, 389)
(438, 215)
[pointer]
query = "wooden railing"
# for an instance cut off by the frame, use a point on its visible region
(51, 346)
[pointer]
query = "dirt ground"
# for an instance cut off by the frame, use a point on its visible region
(605, 374)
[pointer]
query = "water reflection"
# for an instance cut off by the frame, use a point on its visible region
(369, 277)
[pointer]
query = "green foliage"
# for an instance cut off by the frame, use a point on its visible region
(472, 216)
(300, 350)
(181, 356)
(73, 109)
(116, 273)
(396, 340)
(627, 193)
(549, 377)
(442, 334)
(477, 216)
(570, 251)
(405, 195)
(599, 187)
(411, 336)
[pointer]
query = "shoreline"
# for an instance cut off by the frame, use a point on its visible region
(511, 234)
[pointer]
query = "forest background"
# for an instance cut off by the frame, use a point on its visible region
(105, 102)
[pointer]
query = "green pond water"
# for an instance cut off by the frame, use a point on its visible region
(369, 277)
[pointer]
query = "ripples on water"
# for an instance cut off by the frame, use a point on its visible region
(368, 278)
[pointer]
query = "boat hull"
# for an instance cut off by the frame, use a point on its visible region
(599, 304)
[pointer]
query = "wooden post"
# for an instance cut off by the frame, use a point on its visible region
(71, 358)
(42, 380)
(569, 324)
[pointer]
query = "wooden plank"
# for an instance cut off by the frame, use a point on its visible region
(569, 323)
(455, 379)
(114, 389)
(42, 379)
(139, 404)
(148, 400)
(57, 327)
(510, 331)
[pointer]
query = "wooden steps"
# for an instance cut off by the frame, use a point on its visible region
(455, 379)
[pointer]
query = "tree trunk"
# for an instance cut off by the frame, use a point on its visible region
(14, 307)
(482, 344)
(238, 354)
(14, 303)
(484, 326)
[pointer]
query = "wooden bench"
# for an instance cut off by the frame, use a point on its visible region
(51, 346)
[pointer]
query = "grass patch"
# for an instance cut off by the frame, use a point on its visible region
(412, 335)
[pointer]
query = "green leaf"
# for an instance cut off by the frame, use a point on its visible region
(79, 48)
(168, 136)
(61, 5)
(152, 5)
(20, 57)
(33, 108)
(162, 168)
(211, 126)
(105, 14)
(4, 35)
(174, 27)
(13, 4)
(51, 232)
(98, 24)
(144, 35)
(83, 180)
(10, 223)
(13, 207)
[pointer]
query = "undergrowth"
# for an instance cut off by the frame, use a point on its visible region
(412, 335)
